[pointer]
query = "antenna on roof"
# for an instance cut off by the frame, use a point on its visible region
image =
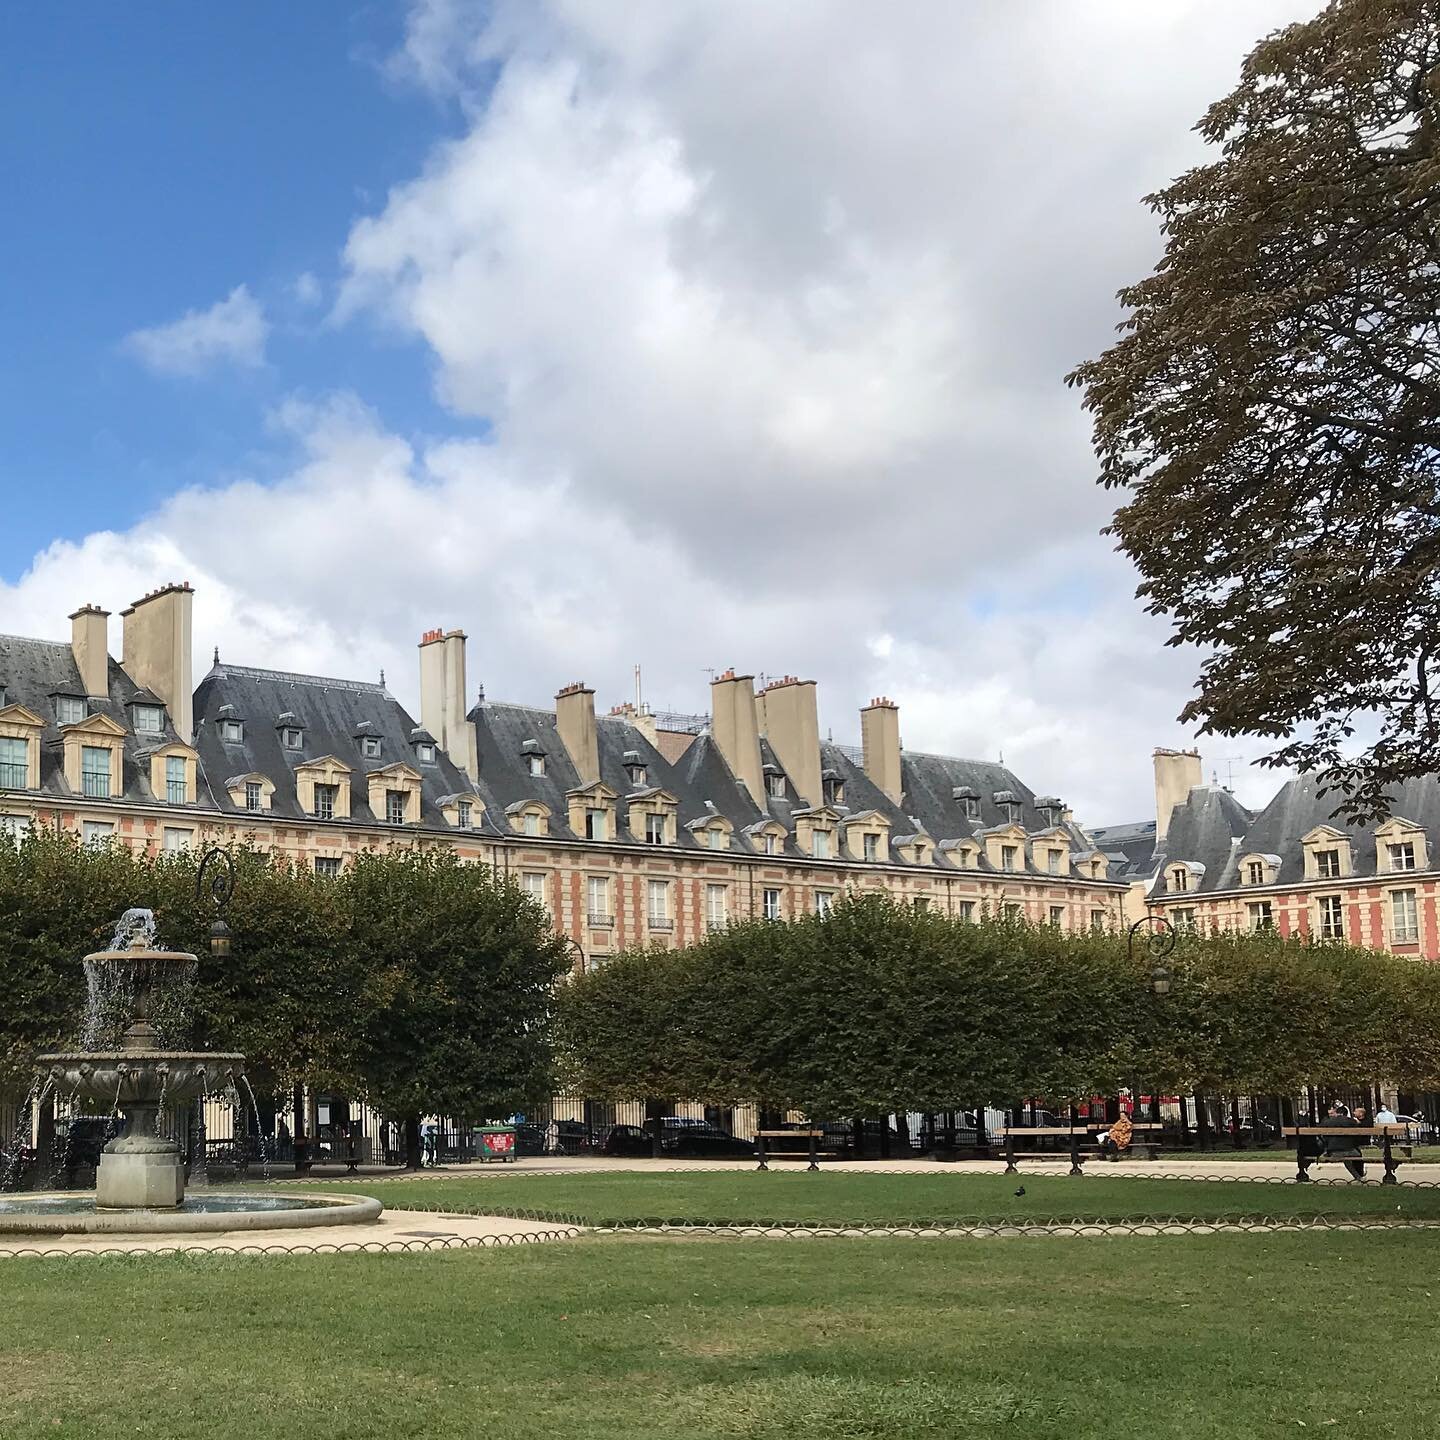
(639, 703)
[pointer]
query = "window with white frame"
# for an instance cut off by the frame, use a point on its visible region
(596, 824)
(967, 909)
(1057, 858)
(1404, 918)
(175, 839)
(1180, 919)
(425, 752)
(770, 843)
(717, 839)
(657, 904)
(14, 763)
(637, 774)
(254, 795)
(328, 865)
(463, 811)
(149, 719)
(655, 829)
(532, 882)
(1097, 921)
(530, 824)
(1008, 855)
(177, 788)
(1262, 917)
(1255, 872)
(13, 827)
(1332, 918)
(1057, 915)
(95, 771)
(370, 746)
(775, 786)
(824, 901)
(1012, 910)
(1179, 879)
(232, 731)
(820, 844)
(597, 899)
(771, 902)
(69, 709)
(535, 764)
(1402, 855)
(871, 845)
(717, 906)
(1327, 864)
(395, 807)
(97, 833)
(292, 737)
(325, 798)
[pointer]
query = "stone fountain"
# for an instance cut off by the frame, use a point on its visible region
(138, 999)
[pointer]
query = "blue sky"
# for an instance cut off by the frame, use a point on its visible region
(160, 155)
(680, 335)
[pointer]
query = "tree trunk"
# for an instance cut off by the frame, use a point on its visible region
(412, 1142)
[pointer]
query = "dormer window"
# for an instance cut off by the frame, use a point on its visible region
(325, 798)
(462, 814)
(148, 719)
(834, 788)
(775, 786)
(292, 737)
(968, 801)
(425, 752)
(636, 770)
(1402, 855)
(370, 747)
(253, 795)
(1008, 804)
(1179, 879)
(530, 824)
(14, 764)
(1008, 855)
(69, 709)
(820, 844)
(1051, 811)
(596, 824)
(1255, 873)
(872, 846)
(1327, 864)
(232, 732)
(395, 807)
(535, 765)
(654, 829)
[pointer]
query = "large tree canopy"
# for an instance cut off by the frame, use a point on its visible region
(1273, 404)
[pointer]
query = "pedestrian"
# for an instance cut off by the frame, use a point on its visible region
(1343, 1148)
(1117, 1138)
(430, 1144)
(1386, 1116)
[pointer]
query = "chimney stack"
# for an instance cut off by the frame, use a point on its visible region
(792, 726)
(442, 697)
(1177, 772)
(735, 726)
(90, 642)
(880, 741)
(155, 650)
(575, 720)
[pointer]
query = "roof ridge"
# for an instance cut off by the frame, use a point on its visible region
(35, 640)
(294, 677)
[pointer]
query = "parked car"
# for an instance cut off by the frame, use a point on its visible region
(1422, 1132)
(680, 1139)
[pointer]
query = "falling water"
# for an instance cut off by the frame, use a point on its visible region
(264, 1139)
(164, 1088)
(20, 1140)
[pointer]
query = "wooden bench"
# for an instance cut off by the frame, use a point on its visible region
(1144, 1135)
(1393, 1152)
(1078, 1136)
(810, 1153)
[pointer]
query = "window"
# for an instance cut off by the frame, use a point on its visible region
(1056, 859)
(462, 814)
(325, 797)
(1007, 857)
(149, 719)
(1097, 921)
(834, 791)
(970, 807)
(716, 839)
(1255, 873)
(1181, 920)
(920, 902)
(1327, 864)
(254, 795)
(370, 746)
(1010, 812)
(1012, 910)
(14, 764)
(657, 904)
(771, 902)
(1332, 918)
(530, 824)
(775, 786)
(532, 882)
(69, 709)
(637, 774)
(232, 731)
(595, 825)
(1402, 856)
(1261, 917)
(175, 839)
(820, 844)
(292, 737)
(1404, 926)
(872, 847)
(12, 827)
(97, 833)
(654, 829)
(327, 865)
(535, 764)
(177, 787)
(95, 771)
(1179, 879)
(597, 899)
(1057, 915)
(769, 843)
(717, 906)
(425, 752)
(967, 909)
(395, 807)
(824, 901)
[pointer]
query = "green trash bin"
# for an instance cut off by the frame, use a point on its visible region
(495, 1142)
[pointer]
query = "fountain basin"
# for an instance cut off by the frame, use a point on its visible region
(126, 1077)
(62, 1212)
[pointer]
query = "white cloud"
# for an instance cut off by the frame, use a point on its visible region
(232, 331)
(307, 290)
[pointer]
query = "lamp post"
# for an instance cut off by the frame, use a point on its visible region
(1159, 943)
(217, 875)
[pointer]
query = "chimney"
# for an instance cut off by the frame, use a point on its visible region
(641, 718)
(880, 740)
(90, 642)
(575, 720)
(1177, 772)
(792, 726)
(736, 729)
(442, 697)
(155, 651)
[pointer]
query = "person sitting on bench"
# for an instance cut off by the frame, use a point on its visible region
(1345, 1150)
(1116, 1138)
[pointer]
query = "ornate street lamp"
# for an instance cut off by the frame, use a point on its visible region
(1160, 942)
(217, 876)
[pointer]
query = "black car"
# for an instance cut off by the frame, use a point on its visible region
(679, 1140)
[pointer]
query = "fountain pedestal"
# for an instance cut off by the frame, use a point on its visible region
(141, 1170)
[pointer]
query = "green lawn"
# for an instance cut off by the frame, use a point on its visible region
(847, 1197)
(1224, 1337)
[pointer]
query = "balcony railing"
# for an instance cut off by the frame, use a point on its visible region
(14, 775)
(96, 785)
(661, 922)
(599, 921)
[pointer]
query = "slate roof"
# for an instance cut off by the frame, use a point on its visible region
(33, 672)
(330, 714)
(1208, 828)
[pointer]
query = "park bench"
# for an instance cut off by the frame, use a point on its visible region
(811, 1152)
(1393, 1151)
(1083, 1144)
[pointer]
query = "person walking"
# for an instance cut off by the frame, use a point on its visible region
(431, 1149)
(1343, 1148)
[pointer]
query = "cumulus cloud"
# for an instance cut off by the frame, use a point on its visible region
(232, 331)
(766, 309)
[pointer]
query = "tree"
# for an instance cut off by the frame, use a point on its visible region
(463, 972)
(1273, 404)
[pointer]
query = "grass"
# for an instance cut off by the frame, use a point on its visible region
(1235, 1336)
(847, 1197)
